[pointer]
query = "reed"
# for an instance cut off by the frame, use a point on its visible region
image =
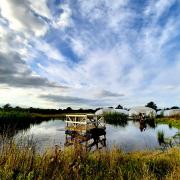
(116, 118)
(12, 121)
(15, 115)
(172, 121)
(160, 136)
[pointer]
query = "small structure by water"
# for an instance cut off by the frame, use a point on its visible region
(87, 129)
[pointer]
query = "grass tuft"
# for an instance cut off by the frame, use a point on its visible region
(160, 136)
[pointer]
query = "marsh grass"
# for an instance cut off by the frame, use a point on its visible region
(11, 122)
(168, 142)
(24, 162)
(14, 115)
(160, 136)
(116, 118)
(24, 115)
(171, 121)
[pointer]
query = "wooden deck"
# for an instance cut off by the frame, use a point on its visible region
(81, 128)
(84, 122)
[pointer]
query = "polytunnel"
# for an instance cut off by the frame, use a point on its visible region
(171, 112)
(111, 110)
(135, 111)
(122, 111)
(160, 112)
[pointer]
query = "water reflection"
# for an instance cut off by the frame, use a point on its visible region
(128, 138)
(91, 139)
(89, 143)
(143, 124)
(14, 126)
(166, 142)
(131, 138)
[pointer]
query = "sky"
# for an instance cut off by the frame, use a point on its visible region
(89, 53)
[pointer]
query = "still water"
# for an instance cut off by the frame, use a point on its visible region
(129, 138)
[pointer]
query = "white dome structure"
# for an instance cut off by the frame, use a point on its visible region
(111, 110)
(104, 110)
(160, 112)
(122, 111)
(135, 111)
(171, 112)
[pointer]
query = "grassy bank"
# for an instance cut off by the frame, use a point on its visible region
(12, 114)
(171, 121)
(15, 115)
(26, 163)
(12, 121)
(48, 116)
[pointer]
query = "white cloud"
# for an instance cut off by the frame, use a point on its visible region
(78, 46)
(25, 98)
(41, 8)
(114, 56)
(64, 19)
(49, 50)
(114, 14)
(21, 18)
(156, 8)
(12, 42)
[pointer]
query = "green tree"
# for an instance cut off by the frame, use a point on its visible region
(175, 107)
(152, 105)
(68, 109)
(7, 106)
(119, 107)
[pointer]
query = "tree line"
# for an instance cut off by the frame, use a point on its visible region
(8, 107)
(152, 105)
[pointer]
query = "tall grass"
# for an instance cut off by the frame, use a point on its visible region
(160, 136)
(23, 162)
(14, 115)
(24, 115)
(12, 121)
(172, 121)
(116, 118)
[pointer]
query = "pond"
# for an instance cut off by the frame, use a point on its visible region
(131, 137)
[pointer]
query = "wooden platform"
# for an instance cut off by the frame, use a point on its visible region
(80, 127)
(85, 128)
(84, 122)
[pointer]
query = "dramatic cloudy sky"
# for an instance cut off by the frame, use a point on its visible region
(89, 53)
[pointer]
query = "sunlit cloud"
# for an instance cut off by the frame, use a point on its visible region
(90, 53)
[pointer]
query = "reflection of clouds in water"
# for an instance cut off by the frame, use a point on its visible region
(131, 138)
(48, 134)
(168, 132)
(42, 130)
(46, 128)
